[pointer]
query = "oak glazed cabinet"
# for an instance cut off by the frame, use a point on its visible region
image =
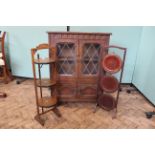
(78, 57)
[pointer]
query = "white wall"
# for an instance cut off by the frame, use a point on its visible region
(126, 36)
(144, 74)
(21, 39)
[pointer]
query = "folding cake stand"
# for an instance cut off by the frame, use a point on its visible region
(108, 84)
(44, 102)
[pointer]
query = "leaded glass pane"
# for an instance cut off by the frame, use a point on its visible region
(66, 58)
(90, 58)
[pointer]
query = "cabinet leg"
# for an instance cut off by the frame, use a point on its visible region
(59, 103)
(95, 108)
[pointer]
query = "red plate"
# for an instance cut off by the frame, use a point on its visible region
(112, 63)
(106, 102)
(109, 84)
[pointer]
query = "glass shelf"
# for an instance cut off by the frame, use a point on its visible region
(67, 59)
(87, 59)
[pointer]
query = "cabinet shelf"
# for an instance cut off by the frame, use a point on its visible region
(87, 59)
(45, 83)
(68, 59)
(44, 61)
(47, 102)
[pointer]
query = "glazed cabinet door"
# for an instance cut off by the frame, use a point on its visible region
(66, 54)
(66, 59)
(90, 52)
(78, 57)
(89, 58)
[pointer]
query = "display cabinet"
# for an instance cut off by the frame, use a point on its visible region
(78, 57)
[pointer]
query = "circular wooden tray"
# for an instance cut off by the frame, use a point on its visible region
(44, 61)
(109, 84)
(45, 83)
(112, 63)
(106, 102)
(47, 101)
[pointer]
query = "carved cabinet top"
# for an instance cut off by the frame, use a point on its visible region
(78, 35)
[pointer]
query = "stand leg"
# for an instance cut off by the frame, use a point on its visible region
(3, 95)
(149, 114)
(114, 113)
(42, 110)
(40, 120)
(57, 112)
(19, 81)
(129, 90)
